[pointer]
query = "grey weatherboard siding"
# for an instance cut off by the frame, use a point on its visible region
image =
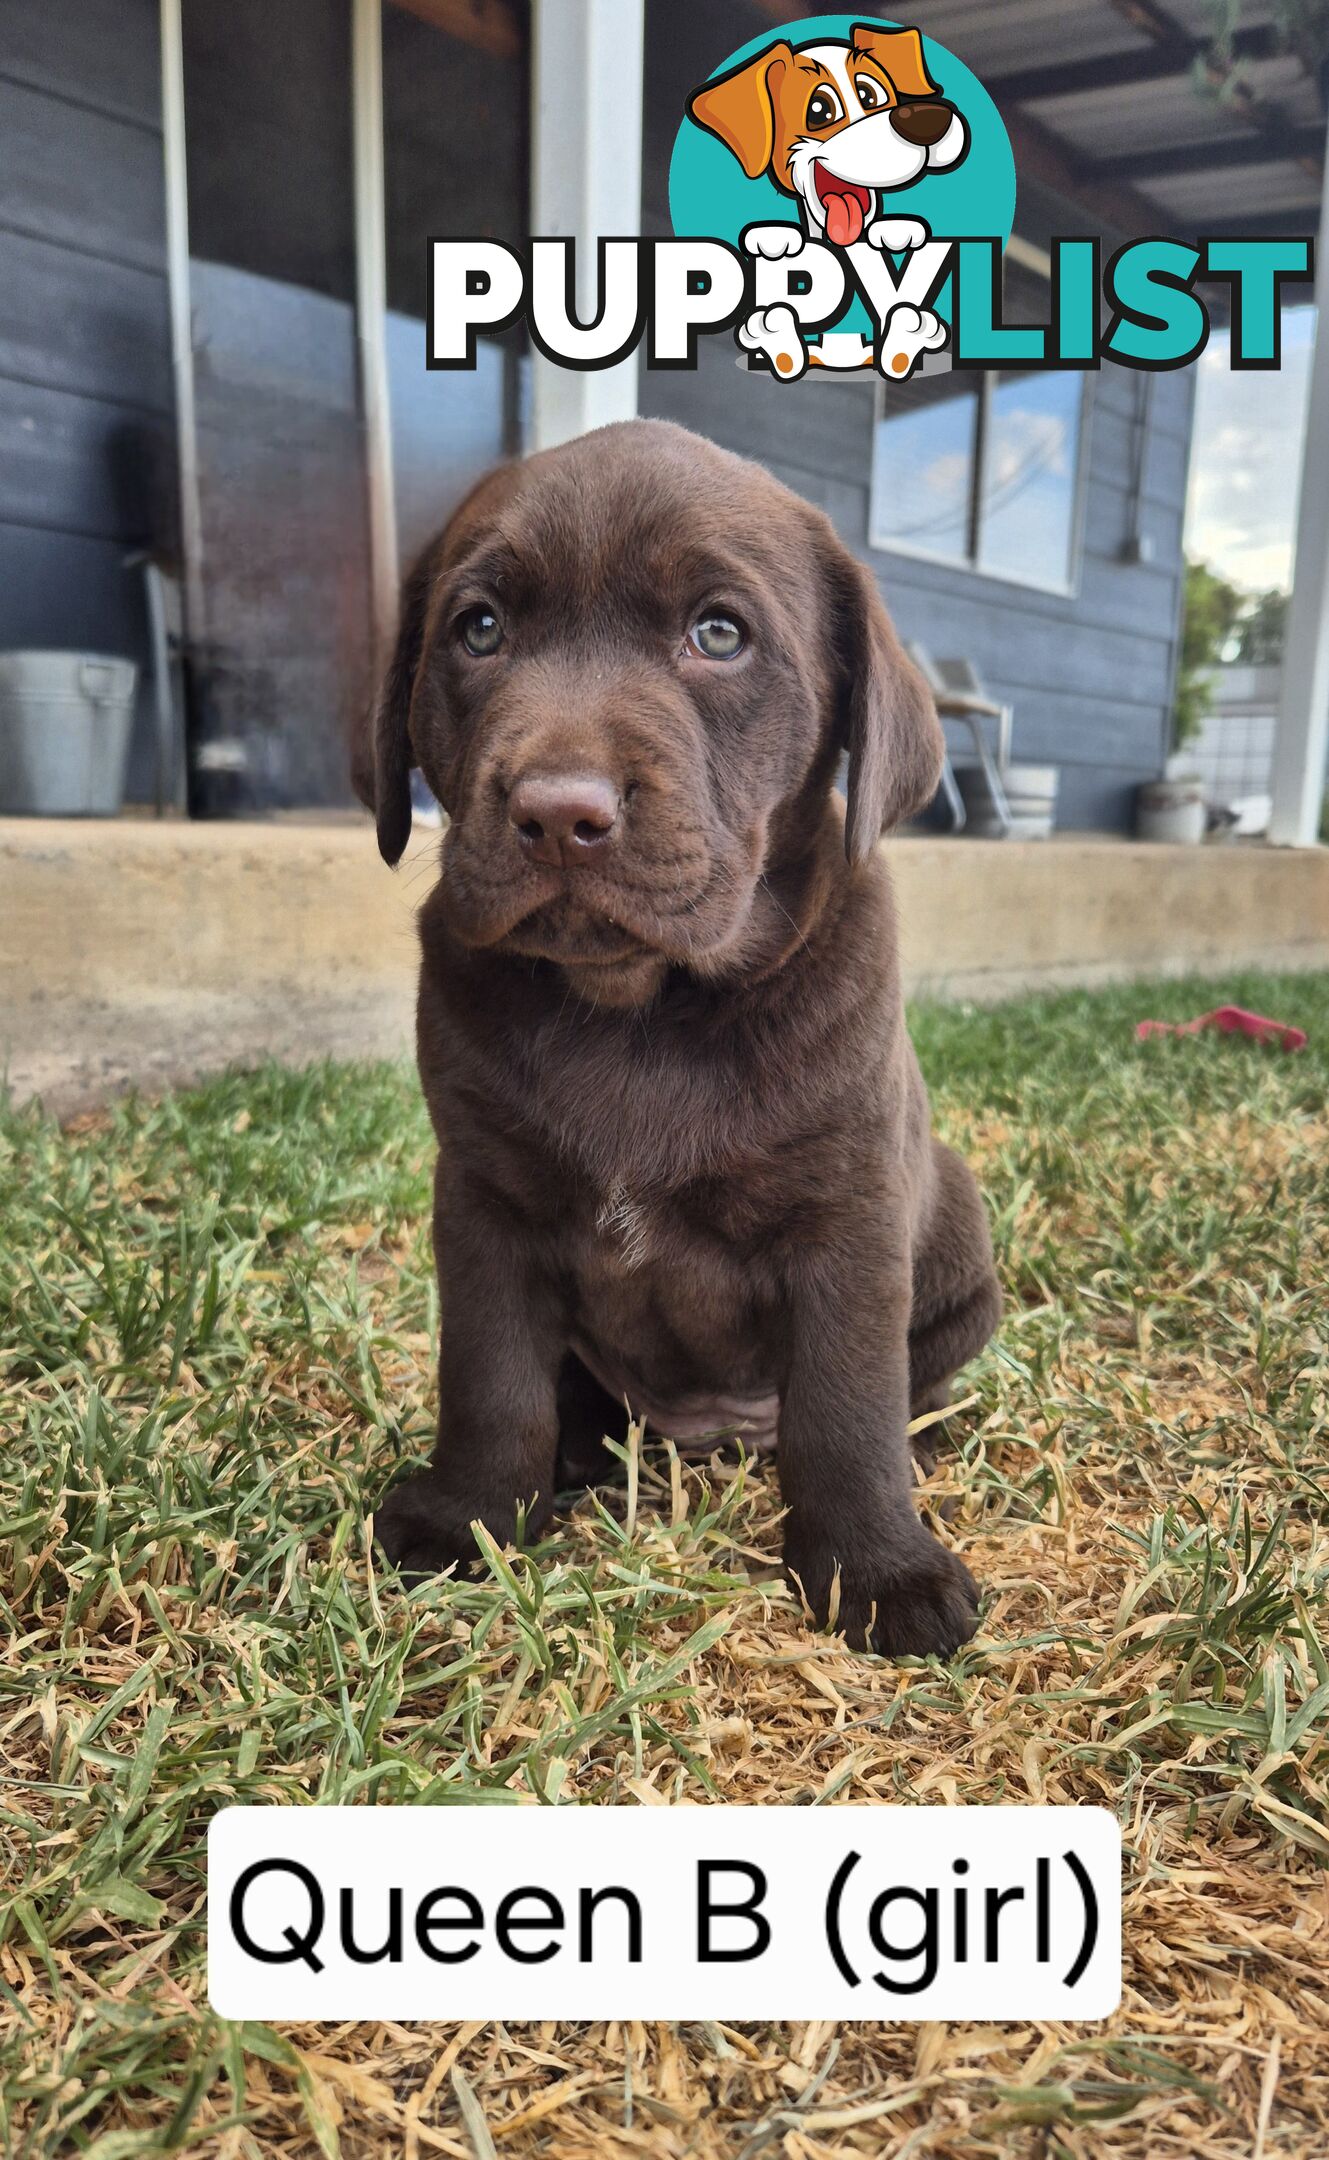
(87, 448)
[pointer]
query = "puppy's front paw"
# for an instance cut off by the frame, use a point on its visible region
(907, 334)
(420, 1530)
(774, 331)
(774, 242)
(897, 235)
(923, 1603)
(929, 1609)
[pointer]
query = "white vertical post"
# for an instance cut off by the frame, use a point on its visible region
(370, 308)
(1301, 744)
(182, 339)
(586, 88)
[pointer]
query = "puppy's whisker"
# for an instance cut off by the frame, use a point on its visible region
(417, 871)
(777, 903)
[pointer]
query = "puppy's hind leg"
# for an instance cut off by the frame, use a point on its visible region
(956, 1297)
(587, 1416)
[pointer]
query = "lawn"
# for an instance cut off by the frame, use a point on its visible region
(216, 1323)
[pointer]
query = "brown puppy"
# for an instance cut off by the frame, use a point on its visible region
(684, 1152)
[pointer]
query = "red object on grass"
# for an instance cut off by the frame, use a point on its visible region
(1229, 1020)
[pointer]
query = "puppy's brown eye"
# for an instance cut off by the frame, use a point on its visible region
(716, 637)
(481, 632)
(870, 93)
(823, 108)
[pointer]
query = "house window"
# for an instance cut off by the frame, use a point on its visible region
(984, 470)
(1030, 478)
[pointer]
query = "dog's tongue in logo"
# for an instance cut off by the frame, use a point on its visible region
(846, 206)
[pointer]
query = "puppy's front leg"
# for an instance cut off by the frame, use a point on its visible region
(502, 1343)
(853, 1532)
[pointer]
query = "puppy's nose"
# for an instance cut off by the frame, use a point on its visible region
(921, 125)
(563, 819)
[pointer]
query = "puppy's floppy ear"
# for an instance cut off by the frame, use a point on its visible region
(381, 757)
(900, 54)
(740, 107)
(382, 753)
(888, 720)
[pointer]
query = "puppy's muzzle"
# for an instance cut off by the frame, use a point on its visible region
(564, 820)
(922, 125)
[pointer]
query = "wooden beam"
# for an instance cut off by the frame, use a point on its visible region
(494, 26)
(370, 310)
(1301, 741)
(586, 109)
(176, 189)
(784, 11)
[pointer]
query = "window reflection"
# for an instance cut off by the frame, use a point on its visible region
(455, 143)
(1027, 523)
(983, 468)
(923, 466)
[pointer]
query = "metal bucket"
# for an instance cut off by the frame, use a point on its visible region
(65, 719)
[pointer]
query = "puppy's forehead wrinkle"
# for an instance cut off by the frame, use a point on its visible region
(636, 561)
(592, 503)
(497, 562)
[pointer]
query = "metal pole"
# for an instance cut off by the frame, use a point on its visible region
(182, 342)
(586, 94)
(370, 309)
(1301, 744)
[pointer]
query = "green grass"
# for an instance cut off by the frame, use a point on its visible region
(216, 1323)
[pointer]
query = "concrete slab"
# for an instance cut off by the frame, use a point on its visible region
(146, 954)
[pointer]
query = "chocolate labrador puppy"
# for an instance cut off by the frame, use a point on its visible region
(684, 1147)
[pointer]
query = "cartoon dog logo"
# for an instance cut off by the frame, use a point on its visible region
(839, 125)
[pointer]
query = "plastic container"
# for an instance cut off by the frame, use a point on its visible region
(1031, 792)
(1172, 811)
(65, 719)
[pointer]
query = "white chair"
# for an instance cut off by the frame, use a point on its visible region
(960, 697)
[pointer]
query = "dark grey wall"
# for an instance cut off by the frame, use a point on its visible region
(86, 434)
(1089, 676)
(282, 661)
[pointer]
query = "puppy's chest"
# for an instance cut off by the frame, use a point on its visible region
(674, 1317)
(632, 1224)
(628, 1226)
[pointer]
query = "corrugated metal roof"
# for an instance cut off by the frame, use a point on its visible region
(1254, 191)
(1197, 16)
(1140, 117)
(1113, 83)
(992, 35)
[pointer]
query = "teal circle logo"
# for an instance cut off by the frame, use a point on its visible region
(860, 132)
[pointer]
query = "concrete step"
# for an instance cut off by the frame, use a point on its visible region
(142, 953)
